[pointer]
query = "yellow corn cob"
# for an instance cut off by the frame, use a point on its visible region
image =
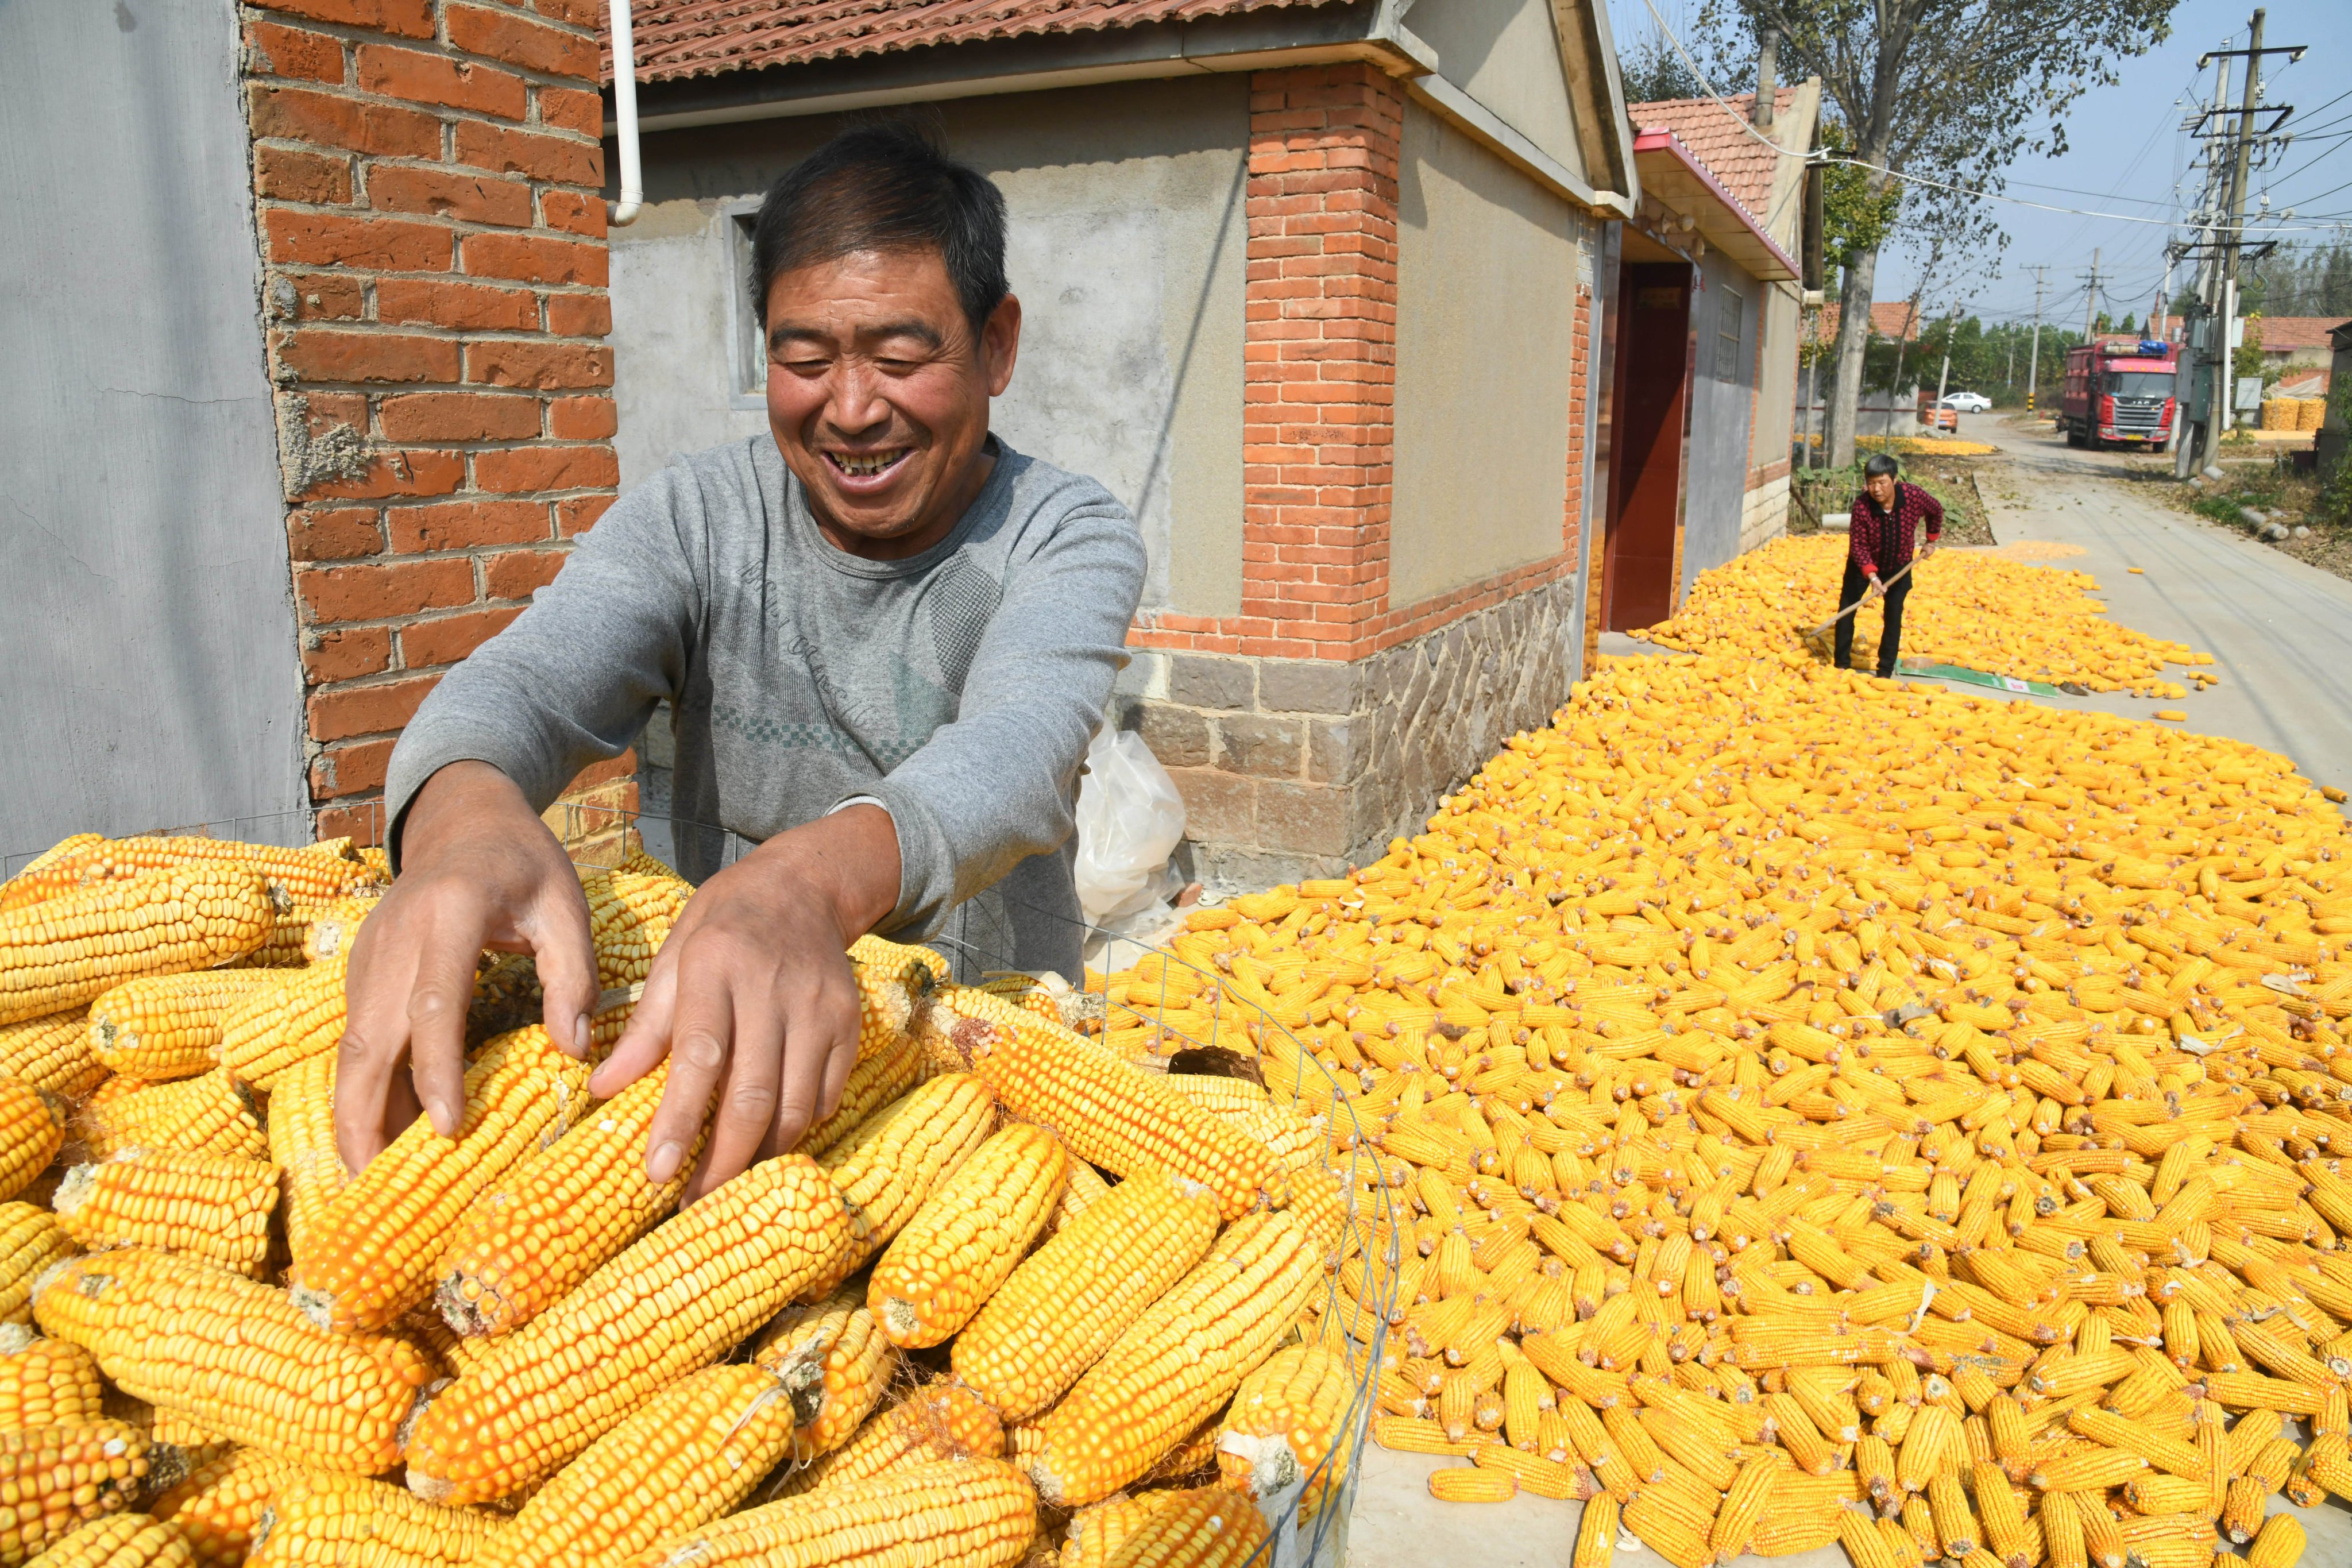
(944, 1421)
(892, 1163)
(121, 1541)
(44, 1383)
(376, 1250)
(302, 1145)
(52, 1053)
(32, 1131)
(1178, 1362)
(169, 1025)
(533, 1402)
(1098, 1530)
(238, 1356)
(1544, 1478)
(30, 883)
(892, 981)
(1085, 1186)
(834, 1362)
(687, 1458)
(29, 1242)
(207, 1205)
(1596, 1533)
(629, 916)
(971, 1513)
(1204, 1528)
(54, 1478)
(308, 874)
(1107, 1111)
(2280, 1544)
(328, 933)
(276, 1028)
(530, 1236)
(218, 1507)
(1743, 1506)
(1233, 1098)
(1284, 1425)
(327, 1522)
(212, 1113)
(881, 1076)
(1064, 1306)
(967, 1240)
(65, 952)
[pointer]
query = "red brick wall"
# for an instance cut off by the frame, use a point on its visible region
(1319, 383)
(426, 177)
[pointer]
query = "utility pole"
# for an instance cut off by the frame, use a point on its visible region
(2225, 367)
(1943, 376)
(2009, 375)
(2033, 360)
(2091, 300)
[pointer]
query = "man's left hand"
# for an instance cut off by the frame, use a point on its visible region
(753, 1000)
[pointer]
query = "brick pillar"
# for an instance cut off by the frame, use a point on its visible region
(425, 188)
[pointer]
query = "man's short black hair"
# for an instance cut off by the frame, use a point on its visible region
(1882, 463)
(884, 186)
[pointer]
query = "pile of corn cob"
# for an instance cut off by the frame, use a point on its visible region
(1969, 608)
(935, 1333)
(1827, 1110)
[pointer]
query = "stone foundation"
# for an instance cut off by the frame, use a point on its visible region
(1764, 513)
(1294, 768)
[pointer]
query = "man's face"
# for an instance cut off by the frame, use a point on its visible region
(1882, 488)
(878, 393)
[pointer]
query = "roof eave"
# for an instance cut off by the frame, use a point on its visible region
(1670, 174)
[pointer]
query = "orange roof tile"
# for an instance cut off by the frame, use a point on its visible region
(1720, 140)
(677, 38)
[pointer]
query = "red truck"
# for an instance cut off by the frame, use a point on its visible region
(2120, 392)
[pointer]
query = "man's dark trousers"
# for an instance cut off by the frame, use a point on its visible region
(1891, 640)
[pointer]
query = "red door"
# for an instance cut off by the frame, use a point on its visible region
(1645, 501)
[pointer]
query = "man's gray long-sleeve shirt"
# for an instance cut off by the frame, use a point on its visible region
(959, 686)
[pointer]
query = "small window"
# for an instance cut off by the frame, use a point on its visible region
(1730, 327)
(747, 356)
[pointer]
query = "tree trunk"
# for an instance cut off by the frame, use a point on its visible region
(1853, 337)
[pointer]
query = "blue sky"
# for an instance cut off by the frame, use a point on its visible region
(2126, 152)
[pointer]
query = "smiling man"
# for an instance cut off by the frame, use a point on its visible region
(886, 637)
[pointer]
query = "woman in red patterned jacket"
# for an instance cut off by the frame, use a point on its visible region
(1886, 514)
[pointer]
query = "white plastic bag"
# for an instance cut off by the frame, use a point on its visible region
(1130, 820)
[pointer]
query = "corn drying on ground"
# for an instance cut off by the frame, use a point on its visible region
(506, 1348)
(1976, 610)
(1831, 1112)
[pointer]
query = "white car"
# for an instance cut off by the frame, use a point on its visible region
(1967, 402)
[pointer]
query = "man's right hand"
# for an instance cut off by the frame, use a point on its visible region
(478, 869)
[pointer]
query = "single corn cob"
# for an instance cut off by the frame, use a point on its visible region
(529, 1238)
(1065, 1305)
(967, 1240)
(1470, 1484)
(629, 917)
(966, 1513)
(30, 1241)
(834, 1361)
(880, 1077)
(891, 1164)
(212, 1113)
(1098, 1530)
(691, 1456)
(238, 1356)
(893, 980)
(54, 1478)
(52, 1053)
(2280, 1544)
(1284, 1426)
(1108, 1112)
(1596, 1533)
(301, 1016)
(218, 1507)
(1204, 1527)
(32, 1131)
(1178, 1362)
(66, 951)
(329, 1521)
(169, 1025)
(121, 1541)
(328, 931)
(45, 1383)
(1234, 1099)
(944, 1421)
(206, 1205)
(302, 1146)
(376, 1250)
(305, 874)
(31, 882)
(534, 1401)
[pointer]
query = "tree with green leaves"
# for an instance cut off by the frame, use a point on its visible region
(1653, 72)
(1948, 92)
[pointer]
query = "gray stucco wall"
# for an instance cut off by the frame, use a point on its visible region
(1486, 275)
(1126, 246)
(1723, 388)
(1505, 54)
(147, 649)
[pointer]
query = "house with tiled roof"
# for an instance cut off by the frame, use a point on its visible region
(2295, 349)
(1313, 289)
(1893, 320)
(1711, 305)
